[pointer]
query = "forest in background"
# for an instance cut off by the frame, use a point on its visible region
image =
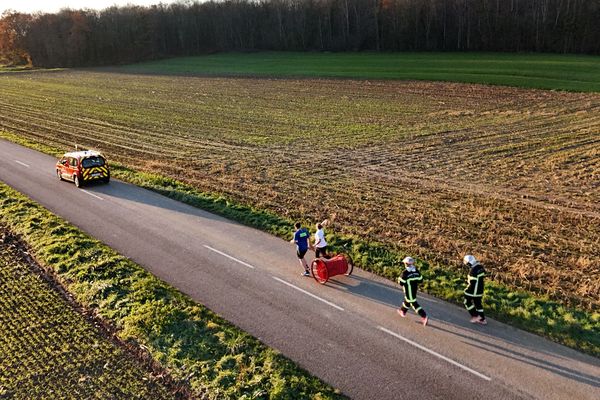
(118, 35)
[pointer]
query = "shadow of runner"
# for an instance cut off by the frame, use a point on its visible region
(503, 352)
(556, 369)
(368, 289)
(457, 316)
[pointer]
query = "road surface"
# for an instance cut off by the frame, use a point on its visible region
(346, 332)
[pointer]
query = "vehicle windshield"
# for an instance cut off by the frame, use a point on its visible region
(92, 162)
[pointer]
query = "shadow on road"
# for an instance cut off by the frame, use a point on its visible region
(368, 289)
(148, 197)
(521, 357)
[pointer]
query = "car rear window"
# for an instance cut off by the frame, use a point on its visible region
(92, 162)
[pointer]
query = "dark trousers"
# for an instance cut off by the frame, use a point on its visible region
(474, 306)
(321, 252)
(415, 306)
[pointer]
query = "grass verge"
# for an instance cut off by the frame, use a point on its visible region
(574, 328)
(194, 344)
(579, 73)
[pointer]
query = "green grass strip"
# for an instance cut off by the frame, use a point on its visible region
(541, 315)
(196, 345)
(579, 73)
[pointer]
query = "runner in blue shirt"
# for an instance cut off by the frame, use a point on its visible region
(301, 239)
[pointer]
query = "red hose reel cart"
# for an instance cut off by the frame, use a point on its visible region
(324, 268)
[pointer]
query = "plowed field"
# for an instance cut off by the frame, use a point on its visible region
(435, 169)
(49, 350)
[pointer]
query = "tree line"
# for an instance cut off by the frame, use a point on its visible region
(118, 35)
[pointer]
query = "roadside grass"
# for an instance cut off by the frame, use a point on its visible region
(49, 349)
(194, 344)
(534, 313)
(579, 73)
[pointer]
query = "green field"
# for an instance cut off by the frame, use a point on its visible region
(48, 349)
(543, 71)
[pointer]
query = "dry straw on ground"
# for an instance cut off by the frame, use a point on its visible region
(437, 169)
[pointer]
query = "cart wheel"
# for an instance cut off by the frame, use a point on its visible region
(350, 265)
(319, 271)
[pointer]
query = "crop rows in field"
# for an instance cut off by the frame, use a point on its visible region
(435, 169)
(49, 350)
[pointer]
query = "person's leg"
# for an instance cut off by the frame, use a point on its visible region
(403, 308)
(325, 253)
(419, 310)
(470, 306)
(305, 264)
(479, 308)
(302, 261)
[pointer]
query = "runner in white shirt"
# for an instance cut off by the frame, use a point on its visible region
(320, 243)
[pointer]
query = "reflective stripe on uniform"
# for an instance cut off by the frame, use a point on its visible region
(408, 284)
(472, 306)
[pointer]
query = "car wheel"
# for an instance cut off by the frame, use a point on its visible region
(59, 175)
(76, 181)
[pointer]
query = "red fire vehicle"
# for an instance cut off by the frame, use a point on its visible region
(83, 166)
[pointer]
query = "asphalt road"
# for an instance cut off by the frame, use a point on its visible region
(346, 332)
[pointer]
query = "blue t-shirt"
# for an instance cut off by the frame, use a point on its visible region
(301, 238)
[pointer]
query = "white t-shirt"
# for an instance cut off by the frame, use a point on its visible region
(320, 235)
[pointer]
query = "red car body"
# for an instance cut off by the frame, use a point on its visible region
(83, 166)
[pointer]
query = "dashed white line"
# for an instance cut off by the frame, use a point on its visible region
(417, 345)
(230, 257)
(92, 194)
(308, 293)
(22, 163)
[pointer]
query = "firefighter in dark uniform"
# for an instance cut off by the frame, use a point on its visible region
(409, 280)
(474, 290)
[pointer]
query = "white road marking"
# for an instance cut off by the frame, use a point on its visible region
(230, 257)
(308, 293)
(91, 194)
(459, 365)
(22, 163)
